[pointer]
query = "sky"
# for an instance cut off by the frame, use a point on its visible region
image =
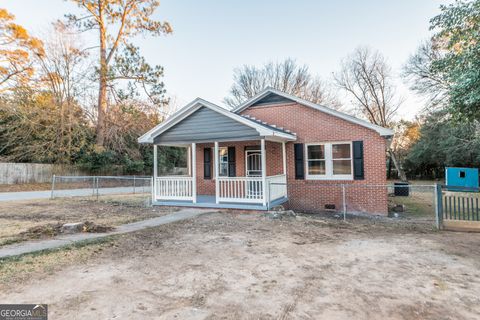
(212, 38)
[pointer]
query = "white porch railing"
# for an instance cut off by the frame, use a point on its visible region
(231, 189)
(276, 187)
(173, 188)
(240, 189)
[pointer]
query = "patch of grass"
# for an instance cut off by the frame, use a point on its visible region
(13, 240)
(23, 267)
(17, 224)
(25, 187)
(417, 204)
(126, 200)
(415, 207)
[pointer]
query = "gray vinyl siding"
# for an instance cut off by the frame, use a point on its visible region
(206, 125)
(271, 98)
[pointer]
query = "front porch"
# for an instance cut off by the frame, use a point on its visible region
(228, 165)
(253, 189)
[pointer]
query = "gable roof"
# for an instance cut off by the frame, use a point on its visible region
(258, 98)
(261, 128)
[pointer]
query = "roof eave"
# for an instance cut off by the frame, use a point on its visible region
(385, 132)
(147, 137)
(197, 103)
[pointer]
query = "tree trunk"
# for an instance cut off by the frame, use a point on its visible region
(102, 90)
(102, 106)
(400, 171)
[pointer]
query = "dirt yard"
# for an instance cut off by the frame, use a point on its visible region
(34, 219)
(247, 266)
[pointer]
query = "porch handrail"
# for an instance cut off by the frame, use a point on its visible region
(240, 189)
(174, 188)
(173, 177)
(240, 178)
(231, 189)
(276, 187)
(277, 176)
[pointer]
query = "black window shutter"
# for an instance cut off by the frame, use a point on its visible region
(207, 163)
(299, 163)
(358, 173)
(231, 162)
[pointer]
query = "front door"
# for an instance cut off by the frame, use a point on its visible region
(253, 163)
(253, 167)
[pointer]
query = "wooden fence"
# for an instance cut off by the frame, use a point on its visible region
(459, 211)
(461, 206)
(15, 173)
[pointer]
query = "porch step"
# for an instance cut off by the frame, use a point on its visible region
(211, 205)
(209, 202)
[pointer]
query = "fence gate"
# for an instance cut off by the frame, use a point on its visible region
(459, 210)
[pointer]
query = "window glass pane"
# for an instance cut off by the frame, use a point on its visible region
(223, 153)
(223, 162)
(340, 151)
(342, 166)
(316, 167)
(316, 152)
(223, 170)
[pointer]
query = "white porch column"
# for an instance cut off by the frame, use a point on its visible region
(193, 169)
(155, 161)
(189, 160)
(215, 164)
(155, 172)
(264, 172)
(284, 156)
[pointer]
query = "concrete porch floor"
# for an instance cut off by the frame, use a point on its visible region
(204, 201)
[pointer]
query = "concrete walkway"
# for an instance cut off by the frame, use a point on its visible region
(34, 246)
(27, 195)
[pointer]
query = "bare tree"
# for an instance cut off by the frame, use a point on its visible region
(64, 71)
(366, 76)
(286, 76)
(419, 73)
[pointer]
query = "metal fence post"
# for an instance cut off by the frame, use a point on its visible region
(97, 187)
(133, 184)
(93, 186)
(152, 188)
(53, 187)
(344, 203)
(268, 193)
(438, 206)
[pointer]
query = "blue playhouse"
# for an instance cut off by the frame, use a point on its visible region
(461, 179)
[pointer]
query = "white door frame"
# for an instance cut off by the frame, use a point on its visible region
(246, 161)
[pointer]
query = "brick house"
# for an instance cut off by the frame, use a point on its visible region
(273, 149)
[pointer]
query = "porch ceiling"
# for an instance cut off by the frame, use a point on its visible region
(202, 121)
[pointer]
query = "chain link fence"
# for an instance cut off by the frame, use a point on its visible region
(415, 203)
(106, 187)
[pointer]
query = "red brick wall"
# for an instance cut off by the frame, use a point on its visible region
(273, 159)
(314, 126)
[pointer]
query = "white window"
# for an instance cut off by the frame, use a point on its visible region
(223, 162)
(316, 165)
(329, 161)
